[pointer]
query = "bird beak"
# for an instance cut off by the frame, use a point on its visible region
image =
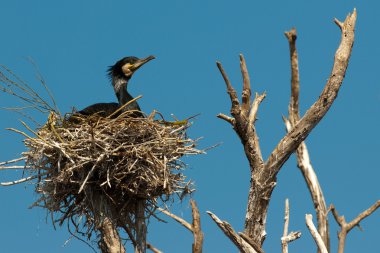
(141, 62)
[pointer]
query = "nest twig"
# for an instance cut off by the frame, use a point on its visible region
(29, 98)
(93, 167)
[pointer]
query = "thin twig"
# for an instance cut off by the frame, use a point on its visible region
(194, 228)
(24, 92)
(15, 167)
(42, 81)
(177, 219)
(23, 180)
(13, 161)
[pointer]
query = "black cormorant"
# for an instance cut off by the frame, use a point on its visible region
(120, 73)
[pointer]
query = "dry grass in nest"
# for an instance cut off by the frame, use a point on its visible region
(105, 166)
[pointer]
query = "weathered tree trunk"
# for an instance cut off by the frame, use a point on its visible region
(110, 240)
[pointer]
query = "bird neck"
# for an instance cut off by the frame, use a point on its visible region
(123, 96)
(121, 92)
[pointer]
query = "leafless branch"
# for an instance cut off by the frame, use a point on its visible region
(152, 248)
(292, 236)
(13, 161)
(240, 243)
(316, 236)
(246, 94)
(294, 114)
(286, 238)
(22, 180)
(194, 228)
(14, 167)
(346, 227)
(284, 243)
(303, 159)
(177, 219)
(226, 118)
(244, 115)
(286, 218)
(7, 164)
(235, 105)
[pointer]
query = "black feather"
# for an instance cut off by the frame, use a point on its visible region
(101, 109)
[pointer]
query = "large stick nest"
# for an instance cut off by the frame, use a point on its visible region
(89, 167)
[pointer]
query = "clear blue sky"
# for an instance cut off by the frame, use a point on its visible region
(73, 42)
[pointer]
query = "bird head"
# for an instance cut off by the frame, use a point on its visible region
(126, 67)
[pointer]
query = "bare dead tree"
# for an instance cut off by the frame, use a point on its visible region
(263, 173)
